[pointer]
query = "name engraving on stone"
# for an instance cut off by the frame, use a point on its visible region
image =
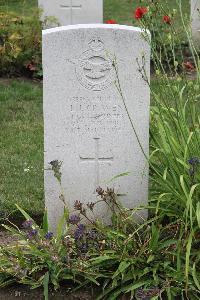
(98, 114)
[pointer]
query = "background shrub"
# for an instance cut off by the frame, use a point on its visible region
(20, 44)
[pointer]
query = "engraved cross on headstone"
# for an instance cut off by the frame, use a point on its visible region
(70, 5)
(97, 159)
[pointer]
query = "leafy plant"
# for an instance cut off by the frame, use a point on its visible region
(169, 39)
(40, 258)
(20, 44)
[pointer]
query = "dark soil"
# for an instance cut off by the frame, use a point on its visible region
(24, 293)
(18, 219)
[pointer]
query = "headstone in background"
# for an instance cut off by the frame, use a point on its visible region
(195, 17)
(86, 125)
(69, 12)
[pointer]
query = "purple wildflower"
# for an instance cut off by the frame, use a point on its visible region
(32, 233)
(74, 219)
(27, 224)
(83, 248)
(92, 234)
(194, 161)
(192, 172)
(147, 294)
(48, 235)
(79, 232)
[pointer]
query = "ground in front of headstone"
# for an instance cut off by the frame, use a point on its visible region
(18, 292)
(21, 292)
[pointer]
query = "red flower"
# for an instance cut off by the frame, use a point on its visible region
(140, 12)
(167, 20)
(188, 66)
(111, 22)
(31, 67)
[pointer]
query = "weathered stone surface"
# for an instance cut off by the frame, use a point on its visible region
(69, 12)
(195, 17)
(86, 123)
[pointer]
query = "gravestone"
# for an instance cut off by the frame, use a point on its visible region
(68, 12)
(86, 124)
(195, 18)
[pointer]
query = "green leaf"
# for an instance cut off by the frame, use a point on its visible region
(183, 186)
(118, 176)
(61, 224)
(46, 285)
(187, 260)
(150, 258)
(169, 295)
(187, 147)
(68, 277)
(122, 267)
(11, 229)
(45, 225)
(135, 286)
(92, 279)
(167, 244)
(185, 165)
(7, 283)
(194, 275)
(101, 259)
(27, 217)
(165, 173)
(198, 213)
(154, 239)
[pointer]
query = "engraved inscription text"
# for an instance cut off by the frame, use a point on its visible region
(96, 115)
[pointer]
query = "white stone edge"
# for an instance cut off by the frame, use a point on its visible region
(94, 26)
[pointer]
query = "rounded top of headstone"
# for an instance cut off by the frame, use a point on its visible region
(94, 26)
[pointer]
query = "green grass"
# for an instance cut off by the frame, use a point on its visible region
(22, 7)
(121, 10)
(21, 146)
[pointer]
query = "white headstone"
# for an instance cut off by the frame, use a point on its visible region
(69, 12)
(86, 124)
(195, 17)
